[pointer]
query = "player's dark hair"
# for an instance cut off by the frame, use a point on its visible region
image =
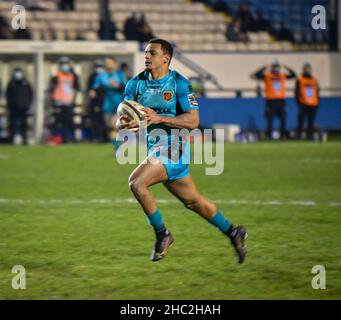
(111, 58)
(165, 46)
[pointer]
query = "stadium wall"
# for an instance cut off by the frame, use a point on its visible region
(248, 113)
(232, 70)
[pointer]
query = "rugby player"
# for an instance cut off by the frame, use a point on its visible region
(170, 103)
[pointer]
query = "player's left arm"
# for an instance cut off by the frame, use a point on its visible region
(187, 120)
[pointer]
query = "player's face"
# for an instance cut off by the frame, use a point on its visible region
(155, 58)
(110, 64)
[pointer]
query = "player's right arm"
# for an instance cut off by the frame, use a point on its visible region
(123, 122)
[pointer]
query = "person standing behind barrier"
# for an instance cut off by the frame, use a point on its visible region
(308, 99)
(98, 128)
(63, 90)
(114, 81)
(19, 96)
(275, 94)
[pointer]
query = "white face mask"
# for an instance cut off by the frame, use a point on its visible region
(65, 68)
(99, 70)
(18, 75)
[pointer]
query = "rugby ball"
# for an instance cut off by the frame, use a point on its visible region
(134, 111)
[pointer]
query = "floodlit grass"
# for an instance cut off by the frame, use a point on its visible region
(65, 216)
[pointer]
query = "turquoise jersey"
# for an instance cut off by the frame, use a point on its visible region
(170, 96)
(113, 96)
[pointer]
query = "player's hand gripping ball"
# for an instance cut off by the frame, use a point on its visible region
(131, 115)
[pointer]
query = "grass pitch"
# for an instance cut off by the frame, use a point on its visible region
(67, 216)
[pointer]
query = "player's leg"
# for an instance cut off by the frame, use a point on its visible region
(185, 190)
(143, 177)
(151, 171)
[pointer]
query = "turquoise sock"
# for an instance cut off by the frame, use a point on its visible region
(155, 219)
(220, 222)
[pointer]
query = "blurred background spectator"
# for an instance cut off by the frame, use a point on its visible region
(221, 6)
(5, 30)
(22, 34)
(131, 27)
(144, 31)
(275, 94)
(67, 5)
(64, 86)
(107, 30)
(308, 99)
(125, 68)
(137, 28)
(19, 95)
(95, 106)
(113, 80)
(234, 32)
(31, 5)
(247, 21)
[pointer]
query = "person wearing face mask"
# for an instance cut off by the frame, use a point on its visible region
(308, 99)
(95, 105)
(19, 96)
(275, 93)
(63, 90)
(114, 81)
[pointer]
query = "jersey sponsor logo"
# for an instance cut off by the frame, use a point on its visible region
(167, 95)
(163, 111)
(153, 91)
(192, 100)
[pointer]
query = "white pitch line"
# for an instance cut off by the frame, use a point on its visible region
(305, 203)
(335, 204)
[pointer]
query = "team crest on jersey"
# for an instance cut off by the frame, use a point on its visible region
(192, 100)
(167, 95)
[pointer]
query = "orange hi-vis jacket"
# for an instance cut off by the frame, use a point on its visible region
(308, 91)
(64, 91)
(275, 85)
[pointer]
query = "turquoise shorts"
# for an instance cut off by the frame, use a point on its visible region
(175, 161)
(176, 171)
